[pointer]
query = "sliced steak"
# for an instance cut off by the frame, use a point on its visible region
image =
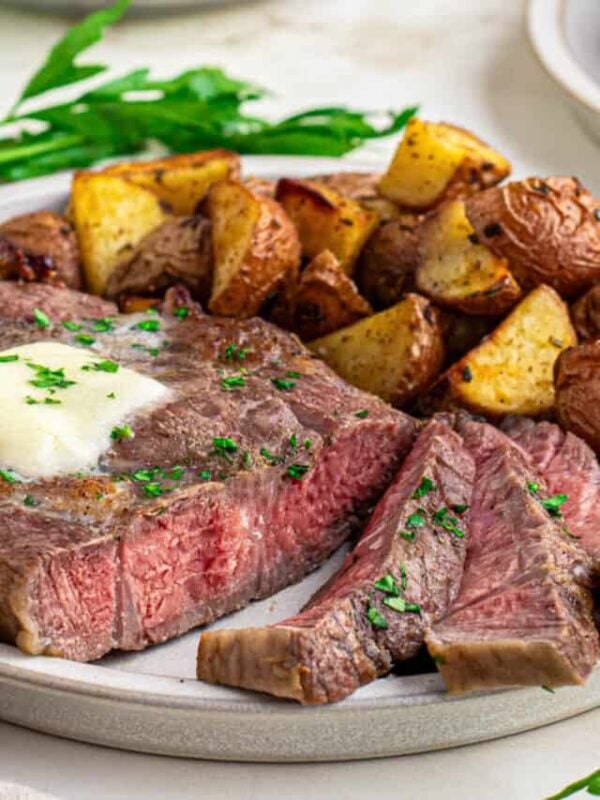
(521, 618)
(18, 301)
(401, 577)
(228, 493)
(569, 466)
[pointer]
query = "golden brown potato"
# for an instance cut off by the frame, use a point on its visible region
(459, 273)
(511, 371)
(585, 314)
(325, 299)
(362, 187)
(436, 161)
(181, 181)
(178, 251)
(388, 261)
(111, 218)
(255, 249)
(549, 230)
(326, 220)
(41, 246)
(394, 354)
(260, 186)
(577, 386)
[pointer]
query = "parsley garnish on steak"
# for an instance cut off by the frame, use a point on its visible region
(72, 326)
(224, 447)
(232, 383)
(271, 458)
(147, 325)
(85, 339)
(376, 618)
(41, 319)
(121, 432)
(283, 384)
(297, 471)
(182, 312)
(233, 352)
(8, 359)
(46, 378)
(8, 476)
(101, 366)
(362, 414)
(426, 486)
(104, 325)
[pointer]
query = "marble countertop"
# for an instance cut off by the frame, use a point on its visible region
(466, 62)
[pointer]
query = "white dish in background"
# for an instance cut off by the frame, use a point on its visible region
(565, 35)
(138, 7)
(150, 701)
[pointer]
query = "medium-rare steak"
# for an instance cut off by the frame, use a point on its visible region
(401, 577)
(18, 301)
(521, 618)
(247, 479)
(569, 466)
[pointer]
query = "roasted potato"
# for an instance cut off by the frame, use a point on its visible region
(394, 354)
(325, 299)
(577, 386)
(388, 261)
(260, 186)
(178, 251)
(436, 161)
(548, 229)
(585, 314)
(41, 246)
(255, 249)
(111, 218)
(362, 187)
(459, 273)
(181, 181)
(511, 371)
(326, 220)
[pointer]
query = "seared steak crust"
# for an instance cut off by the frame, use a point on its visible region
(521, 618)
(92, 562)
(348, 635)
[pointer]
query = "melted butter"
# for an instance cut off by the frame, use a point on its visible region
(45, 438)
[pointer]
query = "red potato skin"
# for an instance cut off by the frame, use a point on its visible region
(577, 387)
(585, 314)
(548, 230)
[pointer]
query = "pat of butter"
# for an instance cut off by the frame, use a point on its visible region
(52, 430)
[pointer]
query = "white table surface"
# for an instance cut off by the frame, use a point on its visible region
(467, 62)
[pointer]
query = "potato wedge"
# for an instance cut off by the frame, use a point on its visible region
(577, 386)
(435, 161)
(394, 354)
(182, 181)
(362, 187)
(386, 269)
(111, 217)
(511, 371)
(548, 229)
(459, 273)
(178, 251)
(326, 220)
(255, 249)
(325, 299)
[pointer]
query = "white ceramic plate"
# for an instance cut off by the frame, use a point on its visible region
(565, 36)
(150, 701)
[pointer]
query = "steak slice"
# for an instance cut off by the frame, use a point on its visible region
(226, 494)
(18, 300)
(401, 577)
(569, 466)
(521, 618)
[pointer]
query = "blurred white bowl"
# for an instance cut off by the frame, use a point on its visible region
(565, 35)
(140, 7)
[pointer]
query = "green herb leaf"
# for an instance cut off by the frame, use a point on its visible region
(408, 535)
(283, 384)
(553, 504)
(104, 325)
(41, 320)
(153, 489)
(591, 784)
(401, 605)
(376, 618)
(271, 457)
(459, 508)
(387, 584)
(8, 476)
(205, 474)
(297, 471)
(426, 486)
(60, 68)
(416, 520)
(147, 325)
(223, 446)
(111, 396)
(47, 378)
(362, 414)
(121, 432)
(232, 383)
(102, 366)
(72, 326)
(533, 487)
(233, 352)
(84, 339)
(8, 359)
(182, 312)
(29, 501)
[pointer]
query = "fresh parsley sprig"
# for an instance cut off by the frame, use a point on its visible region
(591, 784)
(201, 108)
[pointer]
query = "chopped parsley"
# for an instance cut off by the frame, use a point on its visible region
(224, 446)
(387, 584)
(271, 457)
(41, 320)
(104, 325)
(29, 501)
(553, 504)
(8, 359)
(362, 414)
(121, 432)
(293, 442)
(85, 339)
(8, 476)
(408, 535)
(232, 383)
(147, 325)
(111, 396)
(102, 366)
(205, 474)
(416, 520)
(173, 474)
(47, 378)
(182, 312)
(307, 443)
(460, 508)
(401, 605)
(376, 618)
(426, 486)
(283, 384)
(448, 523)
(233, 352)
(291, 374)
(533, 487)
(247, 459)
(297, 471)
(72, 326)
(51, 401)
(142, 475)
(152, 489)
